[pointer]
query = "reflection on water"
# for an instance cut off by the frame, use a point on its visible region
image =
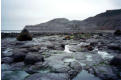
(84, 75)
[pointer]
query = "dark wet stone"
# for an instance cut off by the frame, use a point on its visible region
(117, 33)
(7, 60)
(18, 43)
(116, 61)
(48, 76)
(34, 48)
(114, 46)
(32, 58)
(76, 66)
(17, 66)
(19, 54)
(36, 67)
(75, 69)
(90, 48)
(24, 36)
(51, 47)
(104, 72)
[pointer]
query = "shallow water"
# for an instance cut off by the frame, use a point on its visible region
(14, 75)
(7, 74)
(84, 75)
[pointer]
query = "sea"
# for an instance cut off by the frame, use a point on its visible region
(10, 31)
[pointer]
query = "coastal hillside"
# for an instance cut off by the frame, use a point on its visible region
(109, 20)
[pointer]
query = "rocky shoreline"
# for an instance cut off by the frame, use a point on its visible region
(62, 57)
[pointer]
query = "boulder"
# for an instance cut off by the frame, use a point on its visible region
(17, 66)
(75, 69)
(37, 67)
(116, 61)
(24, 36)
(114, 46)
(51, 47)
(32, 58)
(48, 76)
(117, 33)
(75, 65)
(34, 48)
(19, 54)
(90, 48)
(104, 72)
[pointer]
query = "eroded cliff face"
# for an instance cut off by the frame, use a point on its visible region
(109, 20)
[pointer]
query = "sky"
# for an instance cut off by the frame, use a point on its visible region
(16, 14)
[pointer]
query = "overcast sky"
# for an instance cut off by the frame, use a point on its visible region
(18, 13)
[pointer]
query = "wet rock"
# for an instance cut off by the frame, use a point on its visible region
(116, 61)
(67, 38)
(51, 47)
(72, 73)
(60, 69)
(90, 48)
(114, 46)
(75, 65)
(7, 52)
(18, 43)
(32, 58)
(24, 36)
(19, 54)
(117, 33)
(17, 66)
(31, 70)
(105, 72)
(14, 75)
(63, 46)
(75, 69)
(7, 60)
(34, 49)
(48, 76)
(59, 46)
(36, 67)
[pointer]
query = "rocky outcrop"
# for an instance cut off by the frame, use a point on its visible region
(24, 36)
(116, 61)
(33, 58)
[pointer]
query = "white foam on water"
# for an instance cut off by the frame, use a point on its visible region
(105, 55)
(67, 49)
(83, 44)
